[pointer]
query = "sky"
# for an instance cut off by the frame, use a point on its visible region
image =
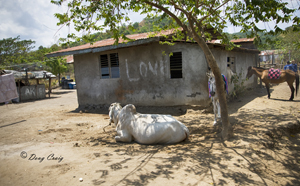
(34, 19)
(31, 19)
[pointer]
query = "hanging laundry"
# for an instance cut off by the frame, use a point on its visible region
(8, 89)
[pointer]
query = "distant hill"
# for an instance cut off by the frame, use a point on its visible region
(147, 25)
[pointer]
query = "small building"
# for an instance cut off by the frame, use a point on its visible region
(31, 92)
(245, 43)
(273, 57)
(146, 73)
(69, 59)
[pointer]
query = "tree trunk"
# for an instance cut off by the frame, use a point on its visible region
(227, 131)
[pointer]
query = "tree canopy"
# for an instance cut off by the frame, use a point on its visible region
(290, 43)
(193, 19)
(14, 50)
(112, 14)
(17, 54)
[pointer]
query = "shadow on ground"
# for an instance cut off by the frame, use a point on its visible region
(264, 150)
(262, 141)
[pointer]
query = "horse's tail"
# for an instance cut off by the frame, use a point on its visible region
(297, 82)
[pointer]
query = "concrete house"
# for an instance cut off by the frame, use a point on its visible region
(143, 73)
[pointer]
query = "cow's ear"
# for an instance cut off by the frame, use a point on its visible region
(111, 106)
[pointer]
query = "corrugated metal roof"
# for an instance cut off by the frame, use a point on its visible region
(256, 51)
(216, 41)
(31, 74)
(139, 39)
(69, 59)
(242, 40)
(271, 52)
(86, 48)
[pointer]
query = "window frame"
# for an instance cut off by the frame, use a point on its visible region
(110, 66)
(232, 63)
(171, 66)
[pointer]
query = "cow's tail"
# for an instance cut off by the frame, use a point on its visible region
(297, 82)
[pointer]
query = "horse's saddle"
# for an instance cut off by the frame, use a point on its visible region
(274, 73)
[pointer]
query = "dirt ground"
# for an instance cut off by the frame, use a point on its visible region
(49, 142)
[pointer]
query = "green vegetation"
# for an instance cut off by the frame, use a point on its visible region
(14, 50)
(17, 54)
(238, 80)
(287, 42)
(147, 25)
(58, 65)
(267, 42)
(290, 42)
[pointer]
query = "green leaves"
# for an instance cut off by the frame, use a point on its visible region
(290, 42)
(90, 15)
(167, 43)
(56, 2)
(57, 65)
(14, 50)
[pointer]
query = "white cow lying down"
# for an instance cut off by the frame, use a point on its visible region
(146, 128)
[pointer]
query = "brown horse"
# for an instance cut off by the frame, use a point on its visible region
(286, 75)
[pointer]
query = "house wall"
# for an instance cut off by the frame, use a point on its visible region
(242, 61)
(145, 76)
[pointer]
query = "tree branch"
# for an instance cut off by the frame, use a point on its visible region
(202, 19)
(167, 11)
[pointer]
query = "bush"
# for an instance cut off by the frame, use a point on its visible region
(239, 86)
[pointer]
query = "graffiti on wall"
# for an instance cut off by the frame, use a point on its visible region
(30, 91)
(33, 92)
(144, 69)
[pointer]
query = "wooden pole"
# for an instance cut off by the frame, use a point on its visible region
(19, 85)
(49, 86)
(26, 78)
(36, 89)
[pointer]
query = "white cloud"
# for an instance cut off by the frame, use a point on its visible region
(34, 19)
(31, 20)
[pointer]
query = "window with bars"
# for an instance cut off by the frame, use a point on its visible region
(109, 65)
(176, 65)
(231, 63)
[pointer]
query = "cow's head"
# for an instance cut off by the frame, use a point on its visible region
(114, 110)
(130, 109)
